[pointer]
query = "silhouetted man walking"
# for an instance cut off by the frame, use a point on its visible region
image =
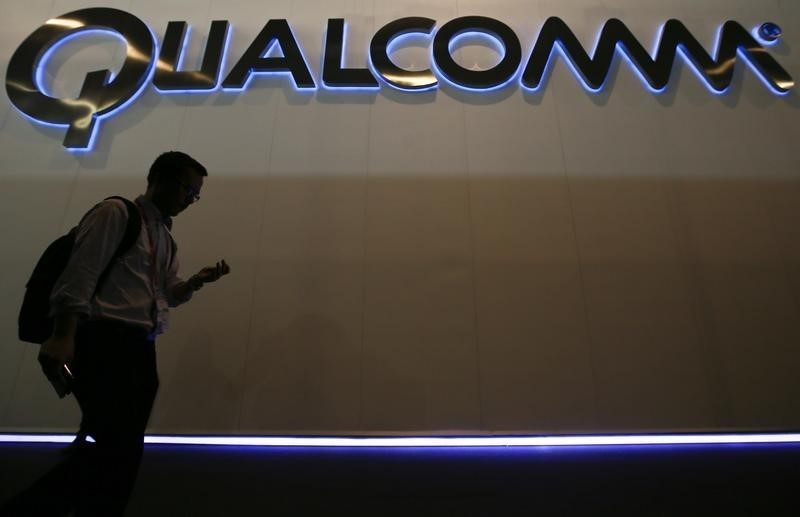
(107, 340)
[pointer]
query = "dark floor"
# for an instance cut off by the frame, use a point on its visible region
(720, 480)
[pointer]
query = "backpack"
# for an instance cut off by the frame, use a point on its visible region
(35, 323)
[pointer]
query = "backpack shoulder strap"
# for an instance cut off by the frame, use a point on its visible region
(133, 228)
(132, 231)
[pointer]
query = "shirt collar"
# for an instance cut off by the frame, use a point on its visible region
(152, 213)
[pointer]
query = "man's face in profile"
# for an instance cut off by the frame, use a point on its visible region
(180, 191)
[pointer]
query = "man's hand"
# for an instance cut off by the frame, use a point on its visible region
(55, 357)
(209, 274)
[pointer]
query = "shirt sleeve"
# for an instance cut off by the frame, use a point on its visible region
(98, 237)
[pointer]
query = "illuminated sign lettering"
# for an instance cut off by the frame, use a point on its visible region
(102, 95)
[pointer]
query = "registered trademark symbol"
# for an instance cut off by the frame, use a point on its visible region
(770, 31)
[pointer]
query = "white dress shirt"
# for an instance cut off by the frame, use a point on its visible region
(129, 293)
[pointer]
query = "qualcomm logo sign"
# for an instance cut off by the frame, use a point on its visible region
(103, 94)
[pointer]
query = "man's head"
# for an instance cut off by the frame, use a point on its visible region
(174, 182)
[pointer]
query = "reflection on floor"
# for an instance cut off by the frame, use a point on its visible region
(720, 480)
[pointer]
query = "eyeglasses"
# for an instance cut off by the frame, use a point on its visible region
(189, 190)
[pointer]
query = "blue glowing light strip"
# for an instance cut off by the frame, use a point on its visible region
(476, 441)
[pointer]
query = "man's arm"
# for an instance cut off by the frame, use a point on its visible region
(55, 356)
(182, 291)
(96, 241)
(61, 345)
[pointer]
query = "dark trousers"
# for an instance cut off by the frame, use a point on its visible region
(115, 385)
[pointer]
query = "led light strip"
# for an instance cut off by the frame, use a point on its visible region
(477, 441)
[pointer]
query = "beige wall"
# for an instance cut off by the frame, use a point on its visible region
(551, 262)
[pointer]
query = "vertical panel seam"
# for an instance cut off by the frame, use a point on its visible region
(473, 261)
(365, 219)
(256, 268)
(584, 302)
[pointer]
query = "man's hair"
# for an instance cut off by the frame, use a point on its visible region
(172, 163)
